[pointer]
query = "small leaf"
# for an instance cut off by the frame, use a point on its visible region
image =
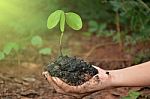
(132, 95)
(102, 27)
(9, 47)
(53, 19)
(37, 41)
(45, 51)
(2, 56)
(93, 26)
(74, 21)
(62, 22)
(15, 46)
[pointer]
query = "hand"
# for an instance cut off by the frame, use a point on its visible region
(98, 82)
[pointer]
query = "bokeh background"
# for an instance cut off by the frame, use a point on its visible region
(115, 34)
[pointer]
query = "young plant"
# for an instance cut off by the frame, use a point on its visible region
(69, 69)
(2, 55)
(8, 48)
(73, 20)
(37, 41)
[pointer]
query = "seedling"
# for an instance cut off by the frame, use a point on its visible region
(8, 48)
(37, 41)
(73, 20)
(70, 69)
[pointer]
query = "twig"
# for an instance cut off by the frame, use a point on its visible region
(14, 80)
(94, 48)
(144, 4)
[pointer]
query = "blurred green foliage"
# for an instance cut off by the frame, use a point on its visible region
(89, 9)
(45, 51)
(142, 56)
(2, 55)
(37, 42)
(22, 20)
(132, 95)
(133, 14)
(10, 47)
(100, 29)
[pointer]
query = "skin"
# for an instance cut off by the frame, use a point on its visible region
(137, 75)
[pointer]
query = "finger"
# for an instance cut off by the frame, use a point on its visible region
(50, 80)
(99, 69)
(57, 83)
(67, 88)
(101, 73)
(96, 67)
(45, 74)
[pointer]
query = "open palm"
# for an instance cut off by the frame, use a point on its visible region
(98, 82)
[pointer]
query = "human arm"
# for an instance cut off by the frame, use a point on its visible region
(138, 75)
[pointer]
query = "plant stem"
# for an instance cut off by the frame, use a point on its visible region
(60, 43)
(118, 30)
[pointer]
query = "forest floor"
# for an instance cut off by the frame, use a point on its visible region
(24, 80)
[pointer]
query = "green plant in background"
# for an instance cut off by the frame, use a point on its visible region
(72, 19)
(99, 29)
(142, 56)
(134, 16)
(37, 41)
(8, 49)
(89, 9)
(45, 51)
(2, 55)
(132, 95)
(129, 18)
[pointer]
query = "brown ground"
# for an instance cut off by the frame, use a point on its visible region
(26, 82)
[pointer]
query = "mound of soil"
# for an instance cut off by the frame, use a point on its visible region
(71, 70)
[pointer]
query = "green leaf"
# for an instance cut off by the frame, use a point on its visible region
(93, 26)
(132, 95)
(62, 22)
(9, 47)
(45, 51)
(53, 19)
(102, 27)
(2, 56)
(74, 21)
(37, 41)
(15, 46)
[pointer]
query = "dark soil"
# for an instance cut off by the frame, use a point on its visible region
(71, 70)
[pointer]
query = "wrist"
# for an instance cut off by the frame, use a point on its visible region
(115, 78)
